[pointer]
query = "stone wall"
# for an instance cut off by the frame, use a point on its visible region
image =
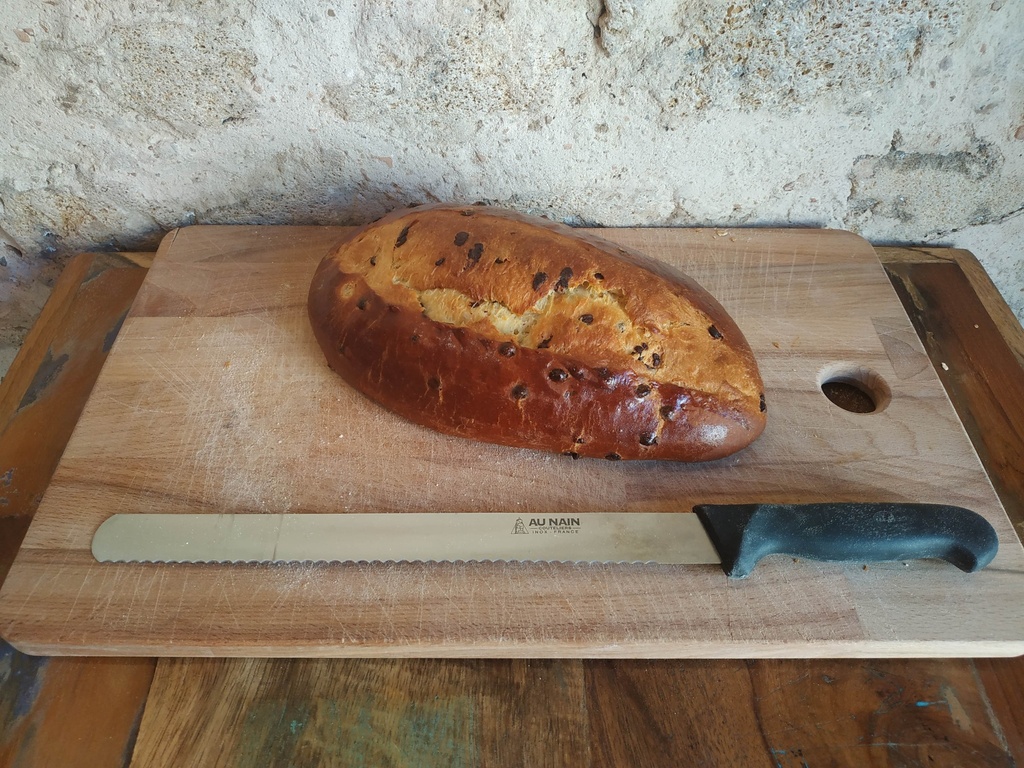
(900, 120)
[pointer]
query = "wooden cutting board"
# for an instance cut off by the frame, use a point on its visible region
(216, 398)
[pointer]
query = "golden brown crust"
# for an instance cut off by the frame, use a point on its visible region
(495, 326)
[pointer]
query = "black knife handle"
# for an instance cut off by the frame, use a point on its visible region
(847, 532)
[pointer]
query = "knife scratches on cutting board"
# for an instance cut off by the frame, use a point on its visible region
(254, 443)
(249, 453)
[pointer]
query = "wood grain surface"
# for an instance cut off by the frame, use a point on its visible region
(70, 343)
(967, 327)
(517, 712)
(215, 399)
(970, 336)
(973, 284)
(62, 712)
(771, 712)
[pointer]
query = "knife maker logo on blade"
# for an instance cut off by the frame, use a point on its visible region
(548, 525)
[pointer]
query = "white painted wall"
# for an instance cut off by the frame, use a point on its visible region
(902, 121)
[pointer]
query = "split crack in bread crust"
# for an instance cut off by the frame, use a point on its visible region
(495, 326)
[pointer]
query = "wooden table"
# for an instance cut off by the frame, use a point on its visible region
(242, 712)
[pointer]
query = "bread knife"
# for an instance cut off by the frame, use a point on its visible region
(737, 536)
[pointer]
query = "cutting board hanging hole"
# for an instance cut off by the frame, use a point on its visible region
(854, 388)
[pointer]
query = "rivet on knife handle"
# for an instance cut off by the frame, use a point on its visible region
(848, 532)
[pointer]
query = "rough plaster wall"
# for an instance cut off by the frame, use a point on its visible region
(900, 120)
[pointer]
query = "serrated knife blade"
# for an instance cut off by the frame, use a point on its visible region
(737, 536)
(429, 536)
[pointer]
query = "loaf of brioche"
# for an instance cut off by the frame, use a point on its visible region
(495, 326)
